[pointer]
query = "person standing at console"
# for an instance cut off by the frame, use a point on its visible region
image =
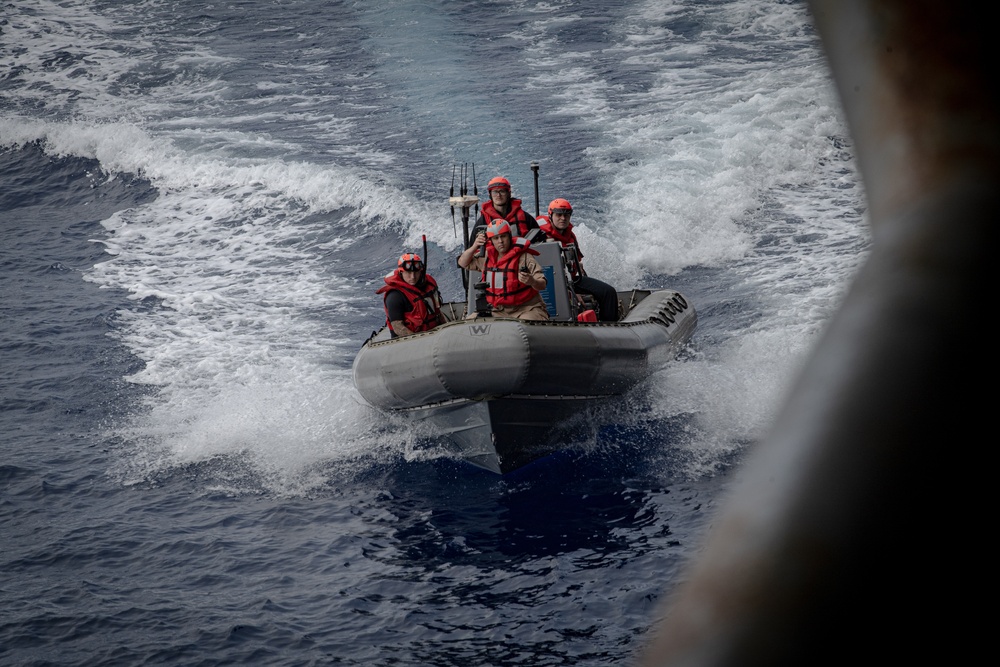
(502, 206)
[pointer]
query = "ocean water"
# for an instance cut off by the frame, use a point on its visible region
(197, 202)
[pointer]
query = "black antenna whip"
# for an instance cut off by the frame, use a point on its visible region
(465, 219)
(534, 169)
(451, 195)
(475, 189)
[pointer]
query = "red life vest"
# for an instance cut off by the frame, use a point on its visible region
(425, 303)
(566, 237)
(500, 275)
(515, 216)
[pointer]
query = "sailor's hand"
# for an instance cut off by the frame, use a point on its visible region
(524, 275)
(480, 240)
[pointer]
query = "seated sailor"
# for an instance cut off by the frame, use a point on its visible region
(559, 228)
(513, 278)
(412, 301)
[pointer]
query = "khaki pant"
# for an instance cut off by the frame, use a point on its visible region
(532, 310)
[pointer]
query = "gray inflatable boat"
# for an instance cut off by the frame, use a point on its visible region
(498, 390)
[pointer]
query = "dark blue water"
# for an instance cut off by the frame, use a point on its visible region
(196, 205)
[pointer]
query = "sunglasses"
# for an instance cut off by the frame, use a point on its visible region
(562, 211)
(412, 265)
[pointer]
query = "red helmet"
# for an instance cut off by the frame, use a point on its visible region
(498, 183)
(496, 228)
(561, 205)
(410, 261)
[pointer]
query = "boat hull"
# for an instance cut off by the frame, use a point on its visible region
(504, 434)
(499, 389)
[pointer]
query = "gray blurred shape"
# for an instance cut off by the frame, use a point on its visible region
(854, 532)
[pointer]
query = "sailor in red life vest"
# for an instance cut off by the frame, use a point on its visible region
(502, 207)
(559, 228)
(512, 275)
(412, 300)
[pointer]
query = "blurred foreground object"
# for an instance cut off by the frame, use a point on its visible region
(845, 540)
